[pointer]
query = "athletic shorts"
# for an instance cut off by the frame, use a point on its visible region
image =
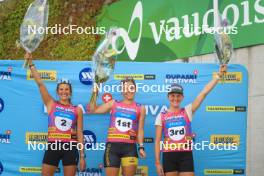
(69, 156)
(117, 153)
(178, 161)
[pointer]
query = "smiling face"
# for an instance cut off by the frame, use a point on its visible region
(129, 90)
(175, 99)
(64, 91)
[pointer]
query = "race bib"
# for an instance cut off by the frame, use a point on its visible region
(63, 124)
(123, 124)
(176, 133)
(63, 121)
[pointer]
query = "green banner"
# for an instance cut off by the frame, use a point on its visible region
(158, 30)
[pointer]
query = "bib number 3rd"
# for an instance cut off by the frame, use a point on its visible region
(177, 133)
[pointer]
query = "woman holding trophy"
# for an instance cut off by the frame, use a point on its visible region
(65, 127)
(125, 130)
(175, 125)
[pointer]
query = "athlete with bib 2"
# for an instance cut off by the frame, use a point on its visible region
(175, 126)
(65, 128)
(125, 130)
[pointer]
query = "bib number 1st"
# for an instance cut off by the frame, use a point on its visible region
(123, 124)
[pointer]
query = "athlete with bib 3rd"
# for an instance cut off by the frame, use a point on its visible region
(65, 128)
(175, 126)
(125, 130)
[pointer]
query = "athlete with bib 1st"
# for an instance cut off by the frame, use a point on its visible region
(65, 128)
(175, 126)
(125, 130)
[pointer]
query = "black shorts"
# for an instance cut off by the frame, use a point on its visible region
(178, 161)
(117, 153)
(70, 156)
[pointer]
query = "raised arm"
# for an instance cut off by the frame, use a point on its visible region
(47, 99)
(101, 109)
(207, 89)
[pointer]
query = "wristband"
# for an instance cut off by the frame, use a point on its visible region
(141, 144)
(141, 147)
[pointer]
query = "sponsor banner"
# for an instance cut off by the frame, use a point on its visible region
(36, 137)
(134, 76)
(223, 171)
(30, 169)
(46, 75)
(225, 139)
(230, 77)
(167, 31)
(26, 128)
(34, 170)
(226, 108)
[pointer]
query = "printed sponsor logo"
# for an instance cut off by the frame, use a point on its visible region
(225, 139)
(226, 108)
(89, 138)
(154, 110)
(223, 171)
(135, 76)
(168, 29)
(5, 137)
(1, 168)
(46, 75)
(141, 171)
(6, 75)
(60, 136)
(148, 140)
(86, 76)
(182, 78)
(231, 77)
(2, 105)
(107, 97)
(33, 169)
(92, 171)
(36, 137)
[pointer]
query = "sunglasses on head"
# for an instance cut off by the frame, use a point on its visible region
(63, 81)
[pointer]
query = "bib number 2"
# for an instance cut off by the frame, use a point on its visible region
(63, 124)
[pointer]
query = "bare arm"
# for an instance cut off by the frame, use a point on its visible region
(207, 89)
(80, 138)
(141, 125)
(101, 109)
(80, 128)
(46, 97)
(157, 144)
